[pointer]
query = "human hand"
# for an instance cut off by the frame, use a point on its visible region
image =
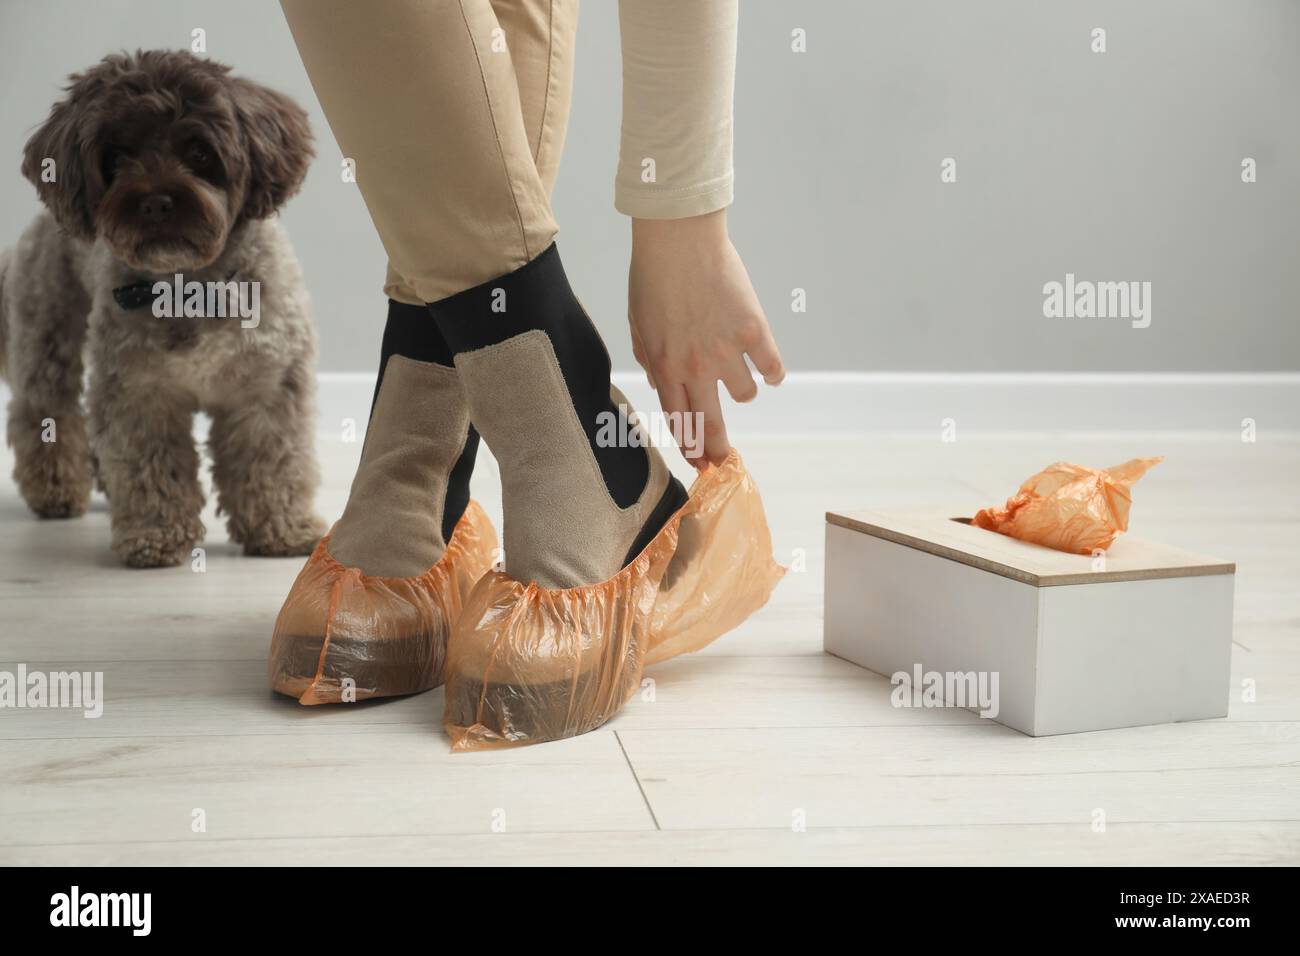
(694, 316)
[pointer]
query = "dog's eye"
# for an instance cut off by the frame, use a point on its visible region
(198, 155)
(114, 159)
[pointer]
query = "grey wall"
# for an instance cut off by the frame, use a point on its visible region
(1116, 166)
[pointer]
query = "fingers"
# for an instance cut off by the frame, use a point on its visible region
(766, 356)
(677, 408)
(739, 380)
(703, 398)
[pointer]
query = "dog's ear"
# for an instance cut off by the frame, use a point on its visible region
(277, 137)
(61, 161)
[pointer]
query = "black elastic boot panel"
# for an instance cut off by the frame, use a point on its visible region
(674, 497)
(537, 296)
(410, 333)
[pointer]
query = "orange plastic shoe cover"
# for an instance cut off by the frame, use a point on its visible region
(1069, 507)
(343, 635)
(528, 664)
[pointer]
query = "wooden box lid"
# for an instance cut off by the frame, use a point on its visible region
(940, 533)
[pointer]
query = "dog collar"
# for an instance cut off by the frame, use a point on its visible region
(139, 294)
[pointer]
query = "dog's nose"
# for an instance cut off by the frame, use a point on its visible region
(156, 207)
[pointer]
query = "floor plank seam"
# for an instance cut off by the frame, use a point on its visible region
(632, 771)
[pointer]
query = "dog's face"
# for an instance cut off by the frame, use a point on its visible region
(161, 154)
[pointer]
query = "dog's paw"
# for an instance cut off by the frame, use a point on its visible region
(157, 547)
(286, 539)
(55, 488)
(61, 503)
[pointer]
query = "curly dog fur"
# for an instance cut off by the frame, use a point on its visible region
(156, 164)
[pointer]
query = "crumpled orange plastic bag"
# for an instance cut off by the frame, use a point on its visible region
(1069, 507)
(388, 635)
(528, 664)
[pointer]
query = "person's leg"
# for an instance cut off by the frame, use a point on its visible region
(366, 64)
(373, 607)
(540, 36)
(422, 96)
(463, 214)
(389, 635)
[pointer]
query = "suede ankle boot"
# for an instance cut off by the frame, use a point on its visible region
(371, 610)
(582, 496)
(412, 484)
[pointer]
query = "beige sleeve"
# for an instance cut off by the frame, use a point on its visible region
(679, 66)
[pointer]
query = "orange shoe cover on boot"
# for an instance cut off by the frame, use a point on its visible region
(528, 664)
(343, 635)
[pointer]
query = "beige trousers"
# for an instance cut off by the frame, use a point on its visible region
(454, 114)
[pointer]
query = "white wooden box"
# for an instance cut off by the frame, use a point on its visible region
(1076, 644)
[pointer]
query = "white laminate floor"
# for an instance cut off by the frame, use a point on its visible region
(759, 749)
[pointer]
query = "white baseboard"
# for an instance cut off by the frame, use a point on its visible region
(977, 403)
